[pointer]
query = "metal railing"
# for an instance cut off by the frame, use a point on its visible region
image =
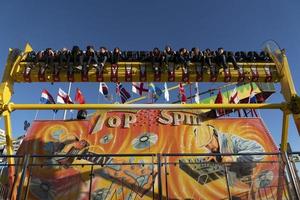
(152, 176)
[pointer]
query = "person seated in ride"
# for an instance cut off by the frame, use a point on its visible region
(31, 57)
(64, 57)
(102, 58)
(240, 56)
(40, 59)
(156, 59)
(221, 59)
(91, 56)
(168, 56)
(197, 57)
(116, 56)
(183, 58)
(252, 56)
(264, 57)
(77, 57)
(231, 58)
(209, 57)
(49, 57)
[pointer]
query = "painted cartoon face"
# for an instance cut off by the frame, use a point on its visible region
(213, 146)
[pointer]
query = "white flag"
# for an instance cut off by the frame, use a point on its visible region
(166, 93)
(197, 95)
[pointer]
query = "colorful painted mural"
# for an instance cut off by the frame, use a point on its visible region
(138, 177)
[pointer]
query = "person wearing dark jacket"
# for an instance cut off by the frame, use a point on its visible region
(221, 59)
(77, 56)
(64, 57)
(209, 57)
(156, 59)
(168, 58)
(231, 58)
(102, 58)
(116, 56)
(183, 58)
(240, 56)
(31, 60)
(197, 57)
(91, 56)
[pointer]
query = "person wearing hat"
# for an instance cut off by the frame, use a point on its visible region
(209, 137)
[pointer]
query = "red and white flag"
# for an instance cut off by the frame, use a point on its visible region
(139, 88)
(182, 93)
(63, 97)
(79, 98)
(234, 97)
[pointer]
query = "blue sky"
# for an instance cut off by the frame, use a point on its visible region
(142, 25)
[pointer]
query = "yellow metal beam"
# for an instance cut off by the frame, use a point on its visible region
(285, 129)
(12, 106)
(18, 73)
(287, 86)
(9, 145)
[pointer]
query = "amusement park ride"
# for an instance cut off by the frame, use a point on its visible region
(275, 71)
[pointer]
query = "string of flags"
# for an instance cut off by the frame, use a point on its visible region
(153, 91)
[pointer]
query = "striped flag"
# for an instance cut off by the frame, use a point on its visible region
(47, 98)
(122, 92)
(63, 97)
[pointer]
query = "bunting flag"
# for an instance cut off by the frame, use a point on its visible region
(155, 92)
(166, 93)
(47, 98)
(63, 97)
(219, 100)
(234, 97)
(182, 93)
(197, 94)
(103, 89)
(139, 88)
(122, 92)
(79, 98)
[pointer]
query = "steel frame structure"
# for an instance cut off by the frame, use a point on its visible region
(14, 69)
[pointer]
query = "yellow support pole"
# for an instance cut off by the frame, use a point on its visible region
(285, 129)
(9, 146)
